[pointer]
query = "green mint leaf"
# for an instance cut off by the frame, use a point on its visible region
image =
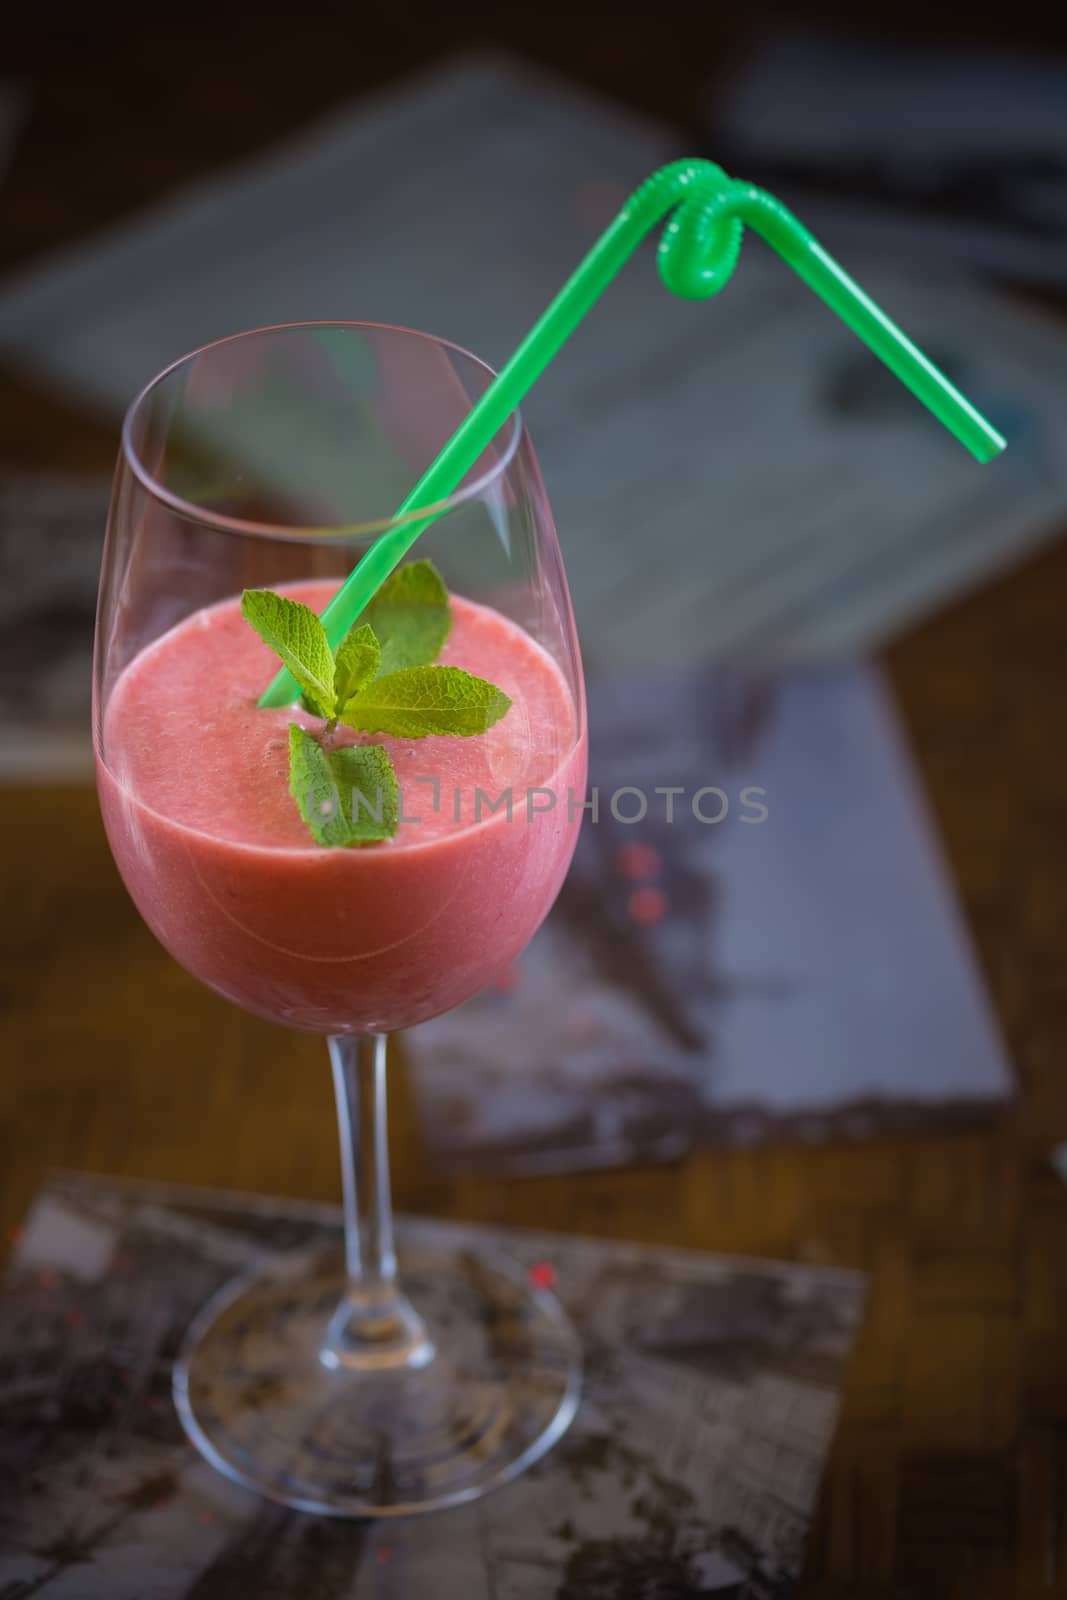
(295, 633)
(424, 700)
(348, 796)
(356, 662)
(411, 616)
(315, 789)
(370, 792)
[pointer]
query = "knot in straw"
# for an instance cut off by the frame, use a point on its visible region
(701, 239)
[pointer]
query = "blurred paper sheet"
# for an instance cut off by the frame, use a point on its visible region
(800, 975)
(740, 474)
(51, 538)
(974, 173)
(709, 1399)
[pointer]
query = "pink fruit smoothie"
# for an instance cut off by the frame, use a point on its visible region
(194, 789)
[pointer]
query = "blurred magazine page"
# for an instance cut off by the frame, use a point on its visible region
(974, 172)
(708, 1405)
(804, 975)
(51, 541)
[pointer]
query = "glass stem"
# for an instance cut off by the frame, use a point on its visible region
(375, 1326)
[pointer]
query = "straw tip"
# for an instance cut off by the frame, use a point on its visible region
(990, 447)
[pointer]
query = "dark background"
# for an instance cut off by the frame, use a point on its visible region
(948, 1475)
(150, 95)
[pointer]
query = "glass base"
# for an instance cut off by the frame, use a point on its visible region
(259, 1399)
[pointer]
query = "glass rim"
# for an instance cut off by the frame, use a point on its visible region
(296, 532)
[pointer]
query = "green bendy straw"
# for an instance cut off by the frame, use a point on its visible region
(697, 254)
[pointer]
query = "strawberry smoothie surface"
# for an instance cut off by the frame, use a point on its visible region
(194, 788)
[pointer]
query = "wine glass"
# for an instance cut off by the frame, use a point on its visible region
(274, 459)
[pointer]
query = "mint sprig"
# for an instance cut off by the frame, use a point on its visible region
(380, 679)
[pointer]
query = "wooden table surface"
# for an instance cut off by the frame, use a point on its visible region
(949, 1473)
